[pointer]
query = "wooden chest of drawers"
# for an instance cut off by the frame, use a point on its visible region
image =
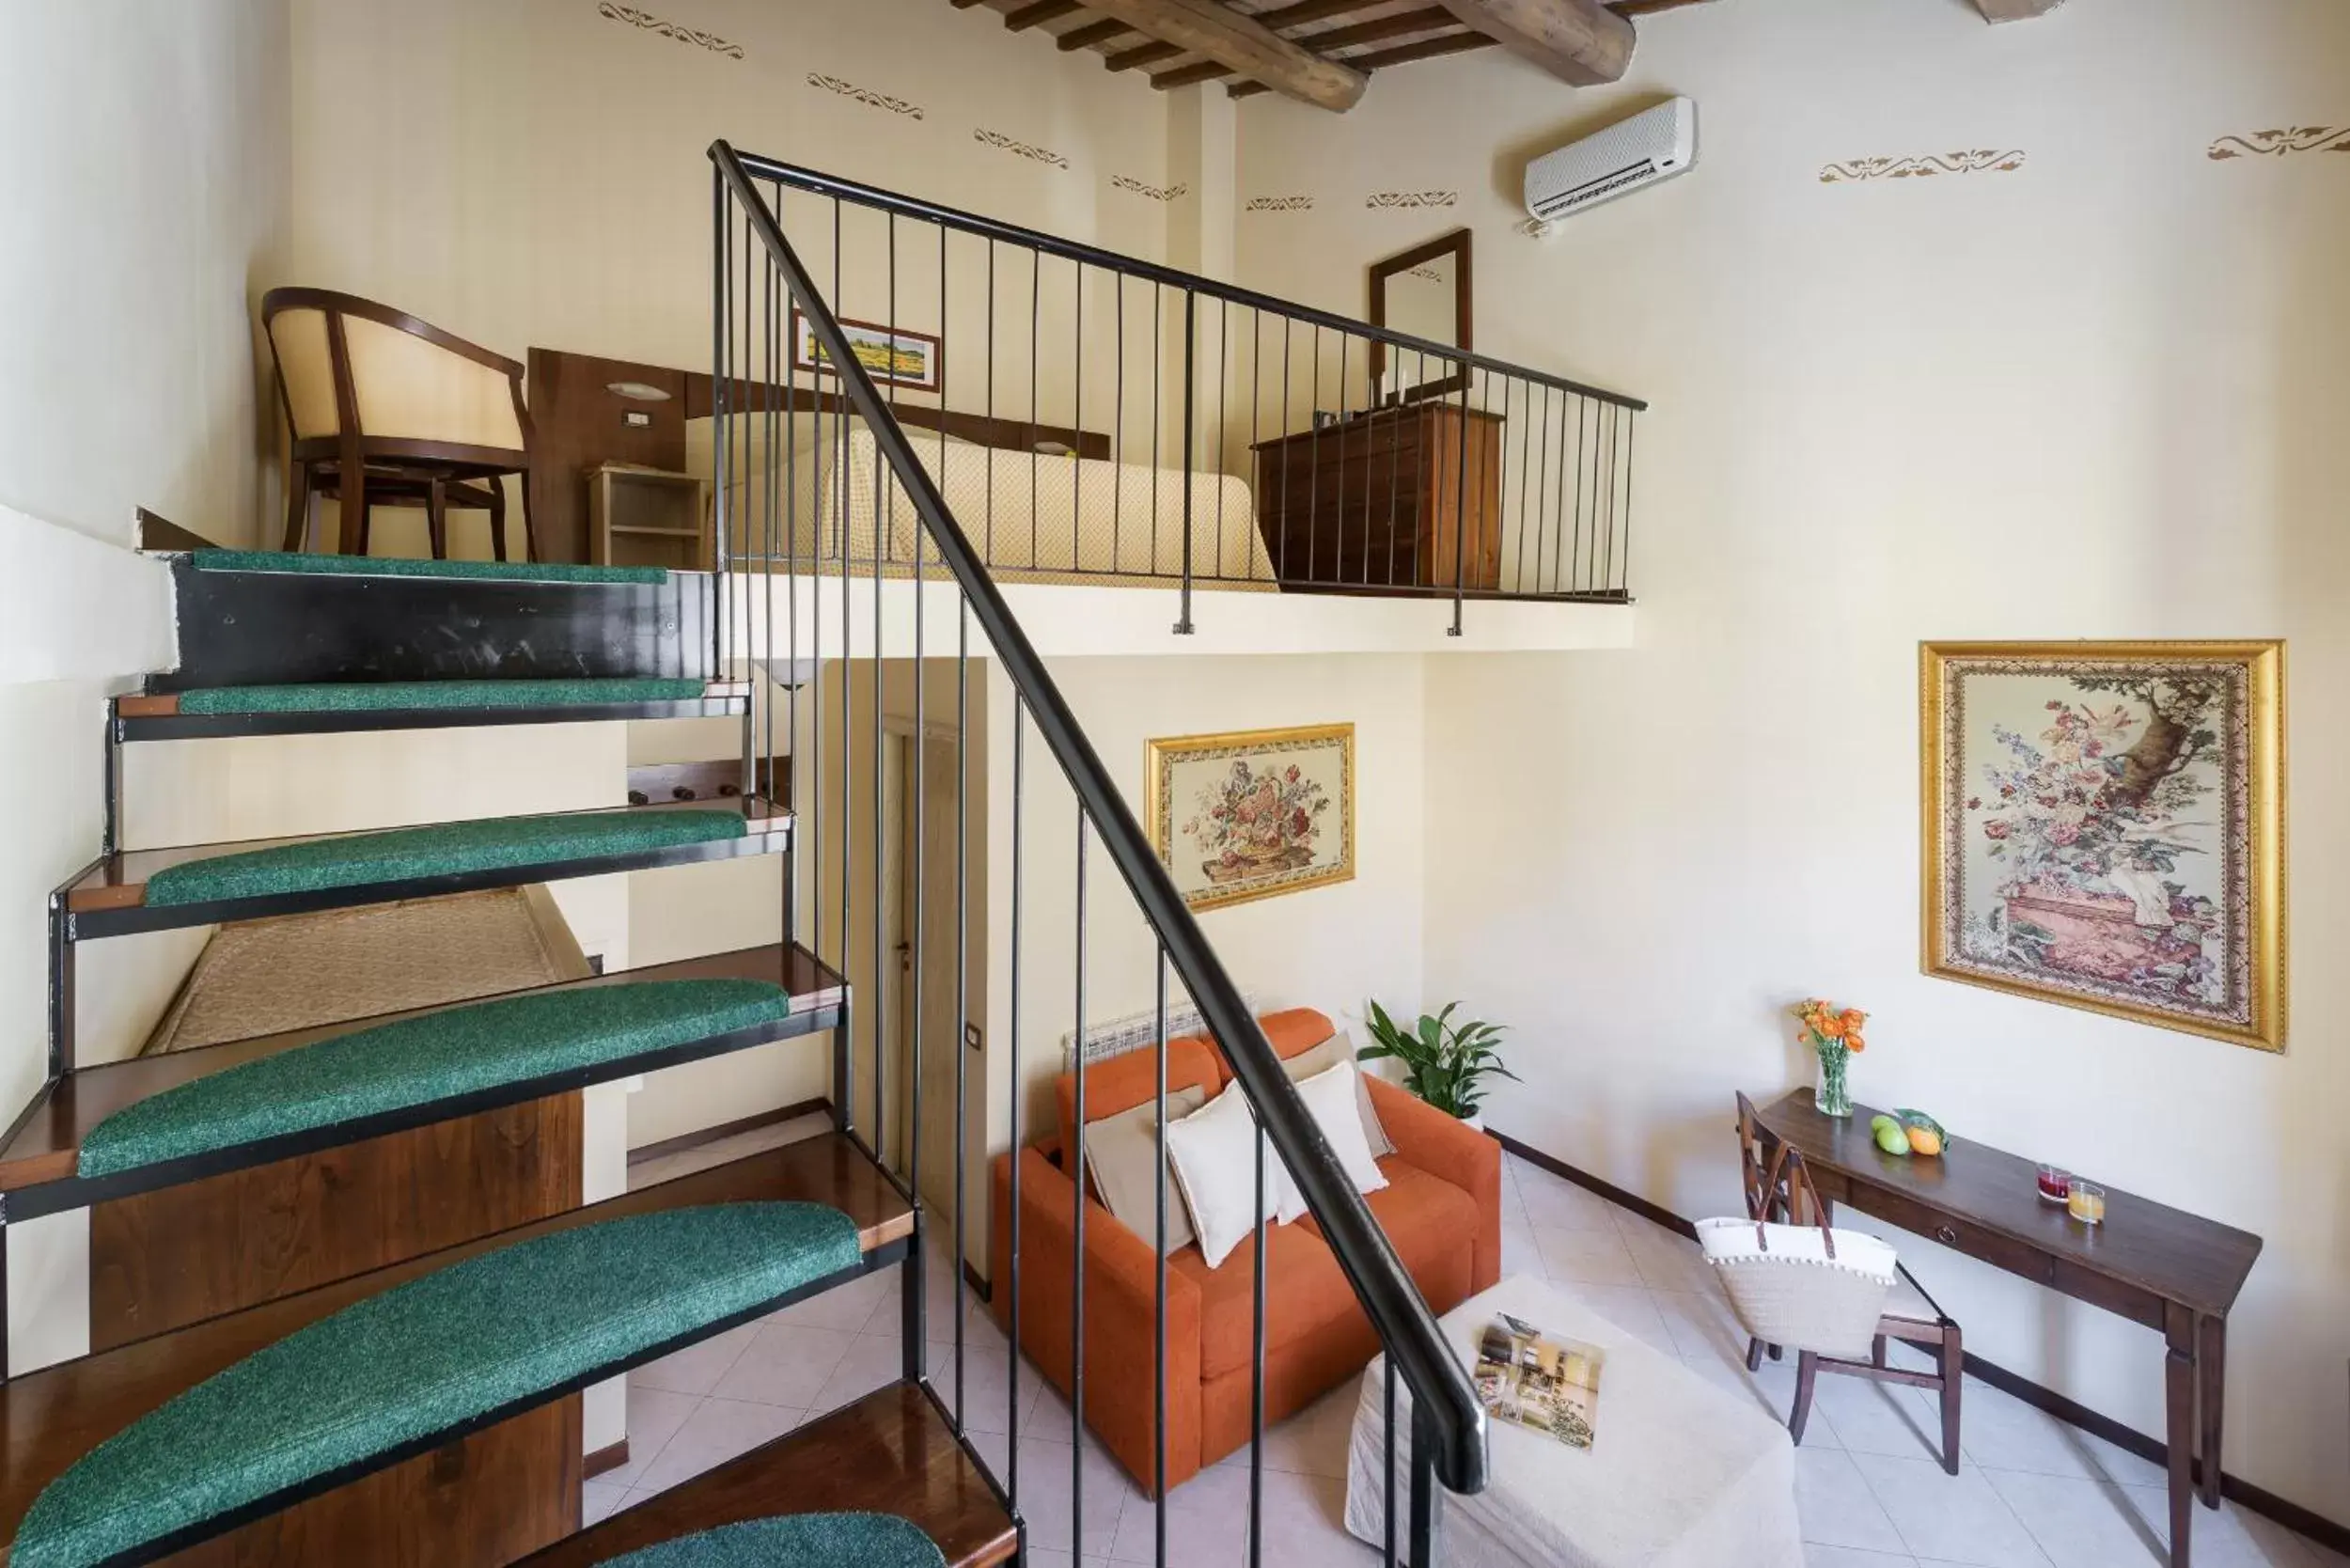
(1379, 500)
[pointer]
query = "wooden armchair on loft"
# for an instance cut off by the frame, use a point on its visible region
(386, 409)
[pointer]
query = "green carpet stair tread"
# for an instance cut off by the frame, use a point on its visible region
(304, 563)
(381, 696)
(422, 1357)
(795, 1541)
(417, 1061)
(446, 849)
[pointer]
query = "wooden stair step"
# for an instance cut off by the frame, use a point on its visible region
(51, 1419)
(203, 883)
(303, 563)
(805, 1539)
(40, 1162)
(890, 1453)
(337, 706)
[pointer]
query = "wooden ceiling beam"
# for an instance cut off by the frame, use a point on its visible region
(2015, 10)
(1091, 33)
(1184, 76)
(1247, 45)
(1039, 13)
(1579, 42)
(1140, 55)
(1647, 8)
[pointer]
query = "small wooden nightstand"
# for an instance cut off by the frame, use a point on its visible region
(649, 517)
(1377, 500)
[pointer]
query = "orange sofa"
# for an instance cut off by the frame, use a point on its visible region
(1441, 1210)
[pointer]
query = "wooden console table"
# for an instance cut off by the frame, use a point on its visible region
(2173, 1272)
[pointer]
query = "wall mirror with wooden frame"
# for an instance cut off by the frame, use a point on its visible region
(1423, 291)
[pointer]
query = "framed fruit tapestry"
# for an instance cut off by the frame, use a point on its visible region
(2105, 827)
(1254, 813)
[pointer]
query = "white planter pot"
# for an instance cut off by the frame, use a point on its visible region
(1475, 1118)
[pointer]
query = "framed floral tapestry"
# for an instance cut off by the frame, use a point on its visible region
(1254, 813)
(2104, 827)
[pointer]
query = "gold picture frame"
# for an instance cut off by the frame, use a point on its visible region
(1253, 813)
(2103, 827)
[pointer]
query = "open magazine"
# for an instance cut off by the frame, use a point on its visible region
(1538, 1380)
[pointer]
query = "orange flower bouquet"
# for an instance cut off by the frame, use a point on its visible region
(1833, 1034)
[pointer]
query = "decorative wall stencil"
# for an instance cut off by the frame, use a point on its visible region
(1281, 204)
(2104, 827)
(1429, 273)
(865, 95)
(652, 23)
(1156, 193)
(1918, 165)
(2276, 144)
(1026, 150)
(1411, 198)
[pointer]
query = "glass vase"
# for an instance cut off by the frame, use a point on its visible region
(1834, 1094)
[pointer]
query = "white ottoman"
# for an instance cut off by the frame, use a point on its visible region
(1681, 1474)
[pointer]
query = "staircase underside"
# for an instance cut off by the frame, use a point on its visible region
(205, 883)
(51, 1419)
(890, 1453)
(42, 1169)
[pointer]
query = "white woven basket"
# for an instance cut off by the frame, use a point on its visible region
(1800, 1286)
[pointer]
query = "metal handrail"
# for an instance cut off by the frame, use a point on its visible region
(820, 183)
(1444, 1399)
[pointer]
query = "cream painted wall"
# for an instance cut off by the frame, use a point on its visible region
(145, 191)
(534, 172)
(2099, 396)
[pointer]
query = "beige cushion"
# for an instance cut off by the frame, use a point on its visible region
(1210, 1151)
(1321, 1058)
(1121, 1154)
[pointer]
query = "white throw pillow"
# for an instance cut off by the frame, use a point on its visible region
(1340, 1047)
(1330, 1095)
(1210, 1151)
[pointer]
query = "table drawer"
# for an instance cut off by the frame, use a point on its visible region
(2017, 1258)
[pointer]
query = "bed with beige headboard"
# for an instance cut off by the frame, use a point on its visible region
(1041, 503)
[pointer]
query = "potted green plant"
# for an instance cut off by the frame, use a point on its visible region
(1444, 1063)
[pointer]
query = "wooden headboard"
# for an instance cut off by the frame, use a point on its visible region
(578, 422)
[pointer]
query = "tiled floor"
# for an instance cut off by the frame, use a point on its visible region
(2031, 1493)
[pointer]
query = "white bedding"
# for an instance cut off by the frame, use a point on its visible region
(1032, 517)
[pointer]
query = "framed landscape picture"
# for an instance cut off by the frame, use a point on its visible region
(902, 358)
(2104, 827)
(1253, 813)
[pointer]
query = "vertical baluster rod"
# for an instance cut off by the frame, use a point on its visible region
(1190, 399)
(1077, 1242)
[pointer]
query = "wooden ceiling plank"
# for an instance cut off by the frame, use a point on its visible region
(1140, 55)
(1282, 18)
(1091, 33)
(1579, 42)
(1243, 44)
(1039, 13)
(1403, 53)
(2015, 10)
(1426, 49)
(1379, 28)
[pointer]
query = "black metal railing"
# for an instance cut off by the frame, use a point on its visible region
(800, 591)
(1133, 423)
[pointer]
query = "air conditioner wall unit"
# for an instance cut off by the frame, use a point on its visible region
(1656, 144)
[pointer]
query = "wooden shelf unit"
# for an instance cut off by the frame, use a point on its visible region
(639, 516)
